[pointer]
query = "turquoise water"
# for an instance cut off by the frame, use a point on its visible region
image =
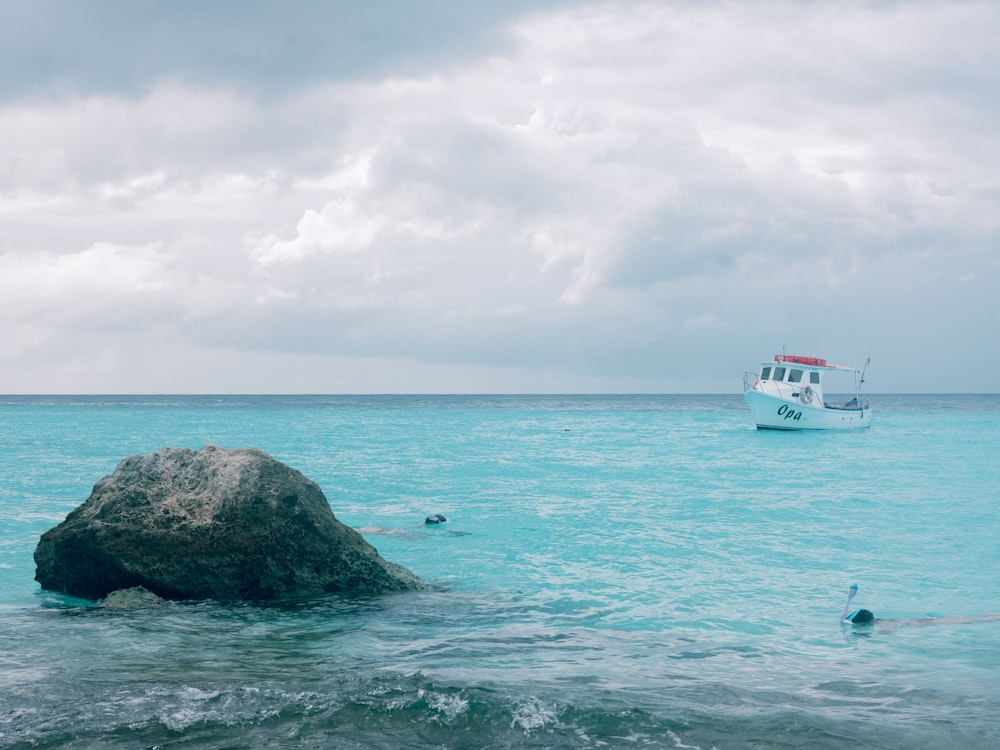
(617, 572)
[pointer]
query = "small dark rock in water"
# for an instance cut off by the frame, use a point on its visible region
(232, 525)
(435, 519)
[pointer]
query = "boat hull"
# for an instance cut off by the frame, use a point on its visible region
(774, 413)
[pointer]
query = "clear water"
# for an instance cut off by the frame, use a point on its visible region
(617, 572)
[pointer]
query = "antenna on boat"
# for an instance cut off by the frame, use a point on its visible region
(865, 368)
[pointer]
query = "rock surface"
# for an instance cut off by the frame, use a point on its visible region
(232, 525)
(134, 598)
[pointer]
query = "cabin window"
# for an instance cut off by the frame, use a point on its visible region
(779, 373)
(794, 376)
(814, 378)
(765, 372)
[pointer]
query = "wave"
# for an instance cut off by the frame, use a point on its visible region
(412, 711)
(383, 711)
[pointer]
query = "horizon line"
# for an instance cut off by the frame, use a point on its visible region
(220, 394)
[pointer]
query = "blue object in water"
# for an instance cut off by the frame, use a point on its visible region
(858, 616)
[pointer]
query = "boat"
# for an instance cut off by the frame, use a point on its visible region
(788, 393)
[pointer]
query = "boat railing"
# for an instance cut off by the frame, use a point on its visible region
(854, 404)
(787, 391)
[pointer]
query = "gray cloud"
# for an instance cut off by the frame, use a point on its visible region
(601, 197)
(53, 47)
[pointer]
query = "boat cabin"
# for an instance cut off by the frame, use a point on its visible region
(800, 379)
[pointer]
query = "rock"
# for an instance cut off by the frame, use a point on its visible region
(232, 525)
(134, 598)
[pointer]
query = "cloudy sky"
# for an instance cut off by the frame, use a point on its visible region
(444, 196)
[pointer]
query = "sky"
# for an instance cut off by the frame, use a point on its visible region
(502, 197)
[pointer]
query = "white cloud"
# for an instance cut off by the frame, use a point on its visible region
(100, 272)
(340, 227)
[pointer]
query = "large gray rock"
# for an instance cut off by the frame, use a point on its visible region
(212, 524)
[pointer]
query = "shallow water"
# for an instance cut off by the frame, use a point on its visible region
(625, 571)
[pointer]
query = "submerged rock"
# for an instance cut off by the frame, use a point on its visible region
(233, 525)
(136, 597)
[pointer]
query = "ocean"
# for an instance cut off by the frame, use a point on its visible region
(616, 572)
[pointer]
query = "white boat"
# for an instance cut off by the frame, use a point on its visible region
(787, 393)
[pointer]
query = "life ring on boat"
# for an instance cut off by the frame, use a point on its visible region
(806, 396)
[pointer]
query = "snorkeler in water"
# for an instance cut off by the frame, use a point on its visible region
(858, 616)
(867, 617)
